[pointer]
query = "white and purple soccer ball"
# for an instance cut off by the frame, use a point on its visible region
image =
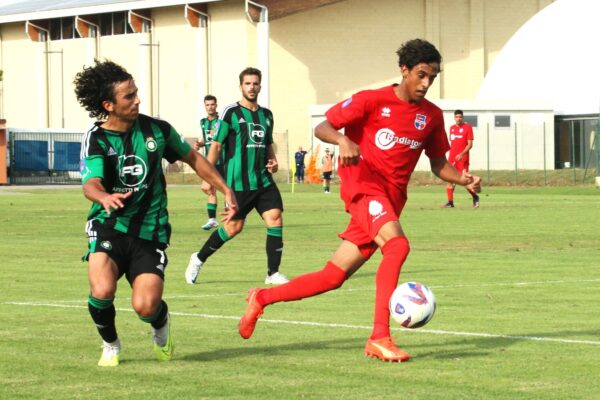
(412, 305)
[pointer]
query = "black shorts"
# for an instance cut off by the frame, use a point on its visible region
(327, 175)
(133, 256)
(262, 200)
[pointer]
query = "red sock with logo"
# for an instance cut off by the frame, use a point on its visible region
(307, 285)
(394, 253)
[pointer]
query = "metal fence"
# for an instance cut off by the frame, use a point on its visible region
(43, 157)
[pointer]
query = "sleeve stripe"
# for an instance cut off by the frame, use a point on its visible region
(85, 143)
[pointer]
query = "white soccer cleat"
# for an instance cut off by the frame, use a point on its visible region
(276, 279)
(211, 223)
(193, 269)
(110, 354)
(163, 341)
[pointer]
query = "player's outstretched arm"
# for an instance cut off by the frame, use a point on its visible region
(94, 190)
(349, 151)
(205, 170)
(444, 170)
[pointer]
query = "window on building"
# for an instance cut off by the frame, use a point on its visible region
(63, 28)
(471, 120)
(114, 24)
(502, 121)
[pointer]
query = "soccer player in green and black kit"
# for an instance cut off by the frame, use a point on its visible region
(245, 136)
(208, 132)
(128, 223)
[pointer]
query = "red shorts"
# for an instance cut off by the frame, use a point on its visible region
(371, 205)
(461, 166)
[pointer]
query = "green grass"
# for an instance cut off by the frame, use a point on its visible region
(517, 283)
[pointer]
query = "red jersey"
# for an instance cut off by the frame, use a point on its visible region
(459, 135)
(392, 134)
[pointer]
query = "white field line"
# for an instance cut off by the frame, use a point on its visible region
(333, 325)
(342, 290)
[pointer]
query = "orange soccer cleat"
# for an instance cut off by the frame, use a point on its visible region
(385, 349)
(253, 312)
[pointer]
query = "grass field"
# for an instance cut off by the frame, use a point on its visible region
(517, 283)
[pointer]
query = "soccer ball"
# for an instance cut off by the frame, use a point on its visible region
(412, 305)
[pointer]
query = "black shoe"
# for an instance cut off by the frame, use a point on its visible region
(449, 204)
(476, 202)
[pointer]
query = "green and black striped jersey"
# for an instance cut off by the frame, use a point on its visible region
(208, 134)
(132, 162)
(245, 136)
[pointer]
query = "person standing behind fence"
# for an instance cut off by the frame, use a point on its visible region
(327, 170)
(128, 224)
(299, 157)
(245, 135)
(208, 131)
(461, 142)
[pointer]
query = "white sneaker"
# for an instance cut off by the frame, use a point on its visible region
(276, 279)
(211, 223)
(163, 341)
(110, 354)
(193, 269)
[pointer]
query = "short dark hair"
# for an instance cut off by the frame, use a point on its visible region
(458, 112)
(417, 51)
(96, 84)
(250, 71)
(209, 97)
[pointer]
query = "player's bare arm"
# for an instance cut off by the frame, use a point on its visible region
(94, 191)
(349, 151)
(272, 164)
(444, 170)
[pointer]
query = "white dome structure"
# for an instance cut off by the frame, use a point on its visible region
(554, 57)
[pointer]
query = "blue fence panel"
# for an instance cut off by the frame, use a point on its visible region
(31, 155)
(66, 156)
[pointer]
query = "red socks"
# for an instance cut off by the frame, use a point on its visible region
(450, 194)
(394, 253)
(307, 285)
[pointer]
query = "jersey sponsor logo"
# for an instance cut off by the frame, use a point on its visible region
(376, 210)
(347, 103)
(256, 133)
(151, 145)
(386, 112)
(132, 171)
(454, 136)
(420, 121)
(386, 138)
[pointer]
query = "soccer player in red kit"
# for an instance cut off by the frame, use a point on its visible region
(461, 142)
(385, 132)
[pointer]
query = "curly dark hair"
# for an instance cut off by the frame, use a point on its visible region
(96, 84)
(417, 51)
(250, 71)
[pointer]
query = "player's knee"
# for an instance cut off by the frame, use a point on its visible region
(396, 245)
(103, 290)
(334, 276)
(145, 306)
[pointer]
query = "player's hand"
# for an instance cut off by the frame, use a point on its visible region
(349, 152)
(198, 146)
(231, 207)
(458, 157)
(272, 165)
(114, 201)
(472, 182)
(207, 188)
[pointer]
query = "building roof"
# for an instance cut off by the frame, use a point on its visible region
(23, 10)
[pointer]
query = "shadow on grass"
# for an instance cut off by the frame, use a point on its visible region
(271, 350)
